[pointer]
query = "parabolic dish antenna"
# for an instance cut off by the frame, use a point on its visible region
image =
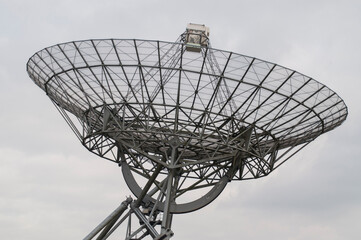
(180, 118)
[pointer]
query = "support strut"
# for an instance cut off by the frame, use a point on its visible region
(105, 228)
(107, 223)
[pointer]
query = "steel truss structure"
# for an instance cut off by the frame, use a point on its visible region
(180, 119)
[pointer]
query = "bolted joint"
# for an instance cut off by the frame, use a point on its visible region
(167, 234)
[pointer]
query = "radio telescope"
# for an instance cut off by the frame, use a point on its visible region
(181, 119)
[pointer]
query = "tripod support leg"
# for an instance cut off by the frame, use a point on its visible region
(110, 220)
(104, 229)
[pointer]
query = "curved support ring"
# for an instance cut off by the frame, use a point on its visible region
(174, 207)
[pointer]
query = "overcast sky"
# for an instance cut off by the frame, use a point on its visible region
(53, 188)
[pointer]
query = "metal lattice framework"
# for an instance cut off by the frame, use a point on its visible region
(182, 123)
